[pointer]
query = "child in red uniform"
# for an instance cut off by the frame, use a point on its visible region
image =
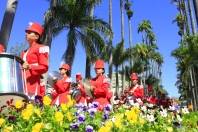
(62, 86)
(100, 86)
(35, 60)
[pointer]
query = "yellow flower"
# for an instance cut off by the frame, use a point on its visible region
(132, 116)
(26, 114)
(169, 129)
(8, 129)
(70, 102)
(109, 124)
(37, 127)
(142, 121)
(30, 107)
(18, 104)
(46, 100)
(104, 129)
(1, 121)
(38, 112)
(59, 116)
(64, 107)
(69, 116)
(118, 123)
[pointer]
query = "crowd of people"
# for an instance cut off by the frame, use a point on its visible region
(36, 64)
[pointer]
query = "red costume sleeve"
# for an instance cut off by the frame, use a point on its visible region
(42, 67)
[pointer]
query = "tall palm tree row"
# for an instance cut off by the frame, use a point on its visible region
(187, 70)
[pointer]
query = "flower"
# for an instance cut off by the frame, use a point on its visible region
(169, 129)
(38, 112)
(108, 107)
(185, 110)
(26, 114)
(18, 104)
(64, 107)
(69, 116)
(81, 118)
(89, 128)
(37, 127)
(150, 118)
(59, 116)
(8, 129)
(163, 113)
(2, 121)
(74, 126)
(46, 100)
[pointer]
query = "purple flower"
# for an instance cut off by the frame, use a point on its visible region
(89, 128)
(74, 126)
(108, 107)
(94, 105)
(92, 111)
(81, 118)
(105, 116)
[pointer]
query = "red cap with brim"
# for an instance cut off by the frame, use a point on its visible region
(78, 76)
(65, 66)
(2, 49)
(99, 64)
(35, 27)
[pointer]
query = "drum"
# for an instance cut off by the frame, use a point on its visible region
(11, 79)
(75, 94)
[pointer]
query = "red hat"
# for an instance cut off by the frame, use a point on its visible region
(2, 49)
(134, 76)
(78, 76)
(99, 64)
(35, 27)
(65, 66)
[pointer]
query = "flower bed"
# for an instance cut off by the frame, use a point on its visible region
(41, 116)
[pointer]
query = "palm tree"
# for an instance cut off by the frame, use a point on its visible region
(195, 4)
(192, 20)
(110, 41)
(145, 27)
(7, 22)
(74, 17)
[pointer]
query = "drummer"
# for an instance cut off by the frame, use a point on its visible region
(81, 88)
(100, 86)
(2, 48)
(62, 86)
(35, 60)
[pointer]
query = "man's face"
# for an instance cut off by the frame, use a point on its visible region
(62, 71)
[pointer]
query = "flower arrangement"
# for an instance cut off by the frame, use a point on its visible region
(42, 117)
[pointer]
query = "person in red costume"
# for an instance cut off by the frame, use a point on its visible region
(2, 49)
(35, 60)
(80, 86)
(136, 90)
(100, 86)
(62, 86)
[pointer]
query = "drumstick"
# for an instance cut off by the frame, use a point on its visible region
(87, 87)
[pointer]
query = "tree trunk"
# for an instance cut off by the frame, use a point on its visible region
(110, 41)
(130, 41)
(192, 21)
(122, 38)
(88, 68)
(117, 81)
(7, 22)
(195, 4)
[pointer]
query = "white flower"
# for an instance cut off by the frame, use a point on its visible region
(179, 118)
(163, 113)
(150, 118)
(172, 108)
(143, 108)
(131, 102)
(139, 101)
(137, 105)
(185, 110)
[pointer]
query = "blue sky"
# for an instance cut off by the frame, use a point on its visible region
(159, 12)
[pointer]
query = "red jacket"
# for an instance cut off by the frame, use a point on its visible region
(137, 91)
(37, 58)
(101, 91)
(61, 87)
(83, 93)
